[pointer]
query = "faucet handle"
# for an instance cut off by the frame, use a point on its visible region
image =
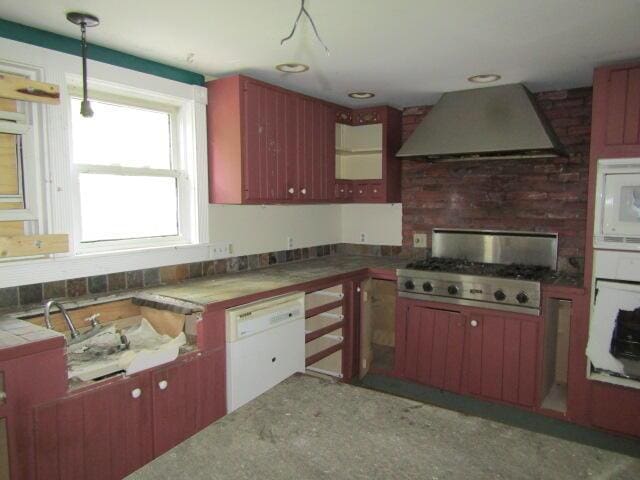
(93, 320)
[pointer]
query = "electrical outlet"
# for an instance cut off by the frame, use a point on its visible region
(289, 243)
(363, 237)
(420, 240)
(220, 250)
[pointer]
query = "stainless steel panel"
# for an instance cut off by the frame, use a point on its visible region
(473, 303)
(482, 121)
(494, 246)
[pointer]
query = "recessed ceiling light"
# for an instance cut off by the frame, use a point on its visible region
(362, 95)
(485, 78)
(292, 67)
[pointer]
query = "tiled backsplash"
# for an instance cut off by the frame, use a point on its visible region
(25, 295)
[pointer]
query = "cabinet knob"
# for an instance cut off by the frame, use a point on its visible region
(136, 392)
(163, 384)
(360, 191)
(303, 191)
(473, 323)
(291, 190)
(375, 190)
(342, 190)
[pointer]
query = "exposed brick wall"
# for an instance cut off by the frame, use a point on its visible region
(545, 195)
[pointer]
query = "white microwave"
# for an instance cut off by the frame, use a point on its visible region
(617, 215)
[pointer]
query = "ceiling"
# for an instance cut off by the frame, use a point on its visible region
(406, 51)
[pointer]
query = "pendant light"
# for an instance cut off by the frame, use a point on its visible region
(84, 20)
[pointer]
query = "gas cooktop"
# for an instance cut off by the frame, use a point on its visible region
(467, 267)
(513, 287)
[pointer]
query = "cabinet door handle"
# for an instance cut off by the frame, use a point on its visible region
(303, 191)
(291, 190)
(163, 384)
(473, 323)
(136, 392)
(375, 190)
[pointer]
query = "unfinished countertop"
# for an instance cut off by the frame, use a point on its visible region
(311, 428)
(238, 285)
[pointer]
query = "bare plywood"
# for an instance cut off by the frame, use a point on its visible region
(27, 245)
(21, 88)
(164, 321)
(11, 228)
(109, 312)
(9, 182)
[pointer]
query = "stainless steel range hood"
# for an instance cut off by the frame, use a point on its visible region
(483, 123)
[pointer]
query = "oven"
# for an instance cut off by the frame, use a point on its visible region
(614, 332)
(617, 215)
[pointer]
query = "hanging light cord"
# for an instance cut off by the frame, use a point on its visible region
(313, 25)
(86, 107)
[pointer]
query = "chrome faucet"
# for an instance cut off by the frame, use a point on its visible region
(47, 317)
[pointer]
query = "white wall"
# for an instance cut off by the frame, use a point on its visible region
(255, 229)
(265, 228)
(380, 223)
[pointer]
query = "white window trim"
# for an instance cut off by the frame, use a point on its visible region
(56, 180)
(31, 154)
(187, 209)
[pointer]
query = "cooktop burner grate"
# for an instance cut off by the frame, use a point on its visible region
(463, 266)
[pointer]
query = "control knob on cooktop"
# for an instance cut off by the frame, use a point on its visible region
(427, 287)
(452, 289)
(522, 297)
(499, 295)
(409, 285)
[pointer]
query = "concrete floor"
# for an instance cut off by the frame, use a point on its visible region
(311, 428)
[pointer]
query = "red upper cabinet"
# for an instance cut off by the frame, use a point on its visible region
(616, 112)
(271, 145)
(266, 144)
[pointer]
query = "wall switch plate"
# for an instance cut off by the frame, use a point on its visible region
(420, 240)
(363, 237)
(220, 250)
(289, 243)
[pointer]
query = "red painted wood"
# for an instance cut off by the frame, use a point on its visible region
(46, 442)
(224, 135)
(351, 310)
(632, 111)
(412, 343)
(440, 343)
(292, 139)
(212, 399)
(492, 356)
(131, 433)
(401, 317)
(255, 141)
(455, 352)
(473, 355)
(97, 435)
(70, 432)
(616, 112)
(175, 409)
(615, 408)
(425, 320)
(511, 369)
(529, 359)
(211, 330)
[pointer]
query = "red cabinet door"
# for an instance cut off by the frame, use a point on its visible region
(212, 398)
(615, 408)
(254, 138)
(104, 433)
(616, 112)
(175, 404)
(434, 346)
(501, 358)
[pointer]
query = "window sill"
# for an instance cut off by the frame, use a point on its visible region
(40, 270)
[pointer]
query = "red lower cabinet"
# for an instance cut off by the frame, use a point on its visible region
(501, 358)
(434, 347)
(615, 408)
(111, 430)
(489, 355)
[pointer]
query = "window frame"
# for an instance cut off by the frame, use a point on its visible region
(54, 180)
(177, 170)
(30, 166)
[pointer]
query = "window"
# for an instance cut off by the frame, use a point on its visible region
(131, 185)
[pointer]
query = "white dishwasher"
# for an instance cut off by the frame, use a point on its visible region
(265, 345)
